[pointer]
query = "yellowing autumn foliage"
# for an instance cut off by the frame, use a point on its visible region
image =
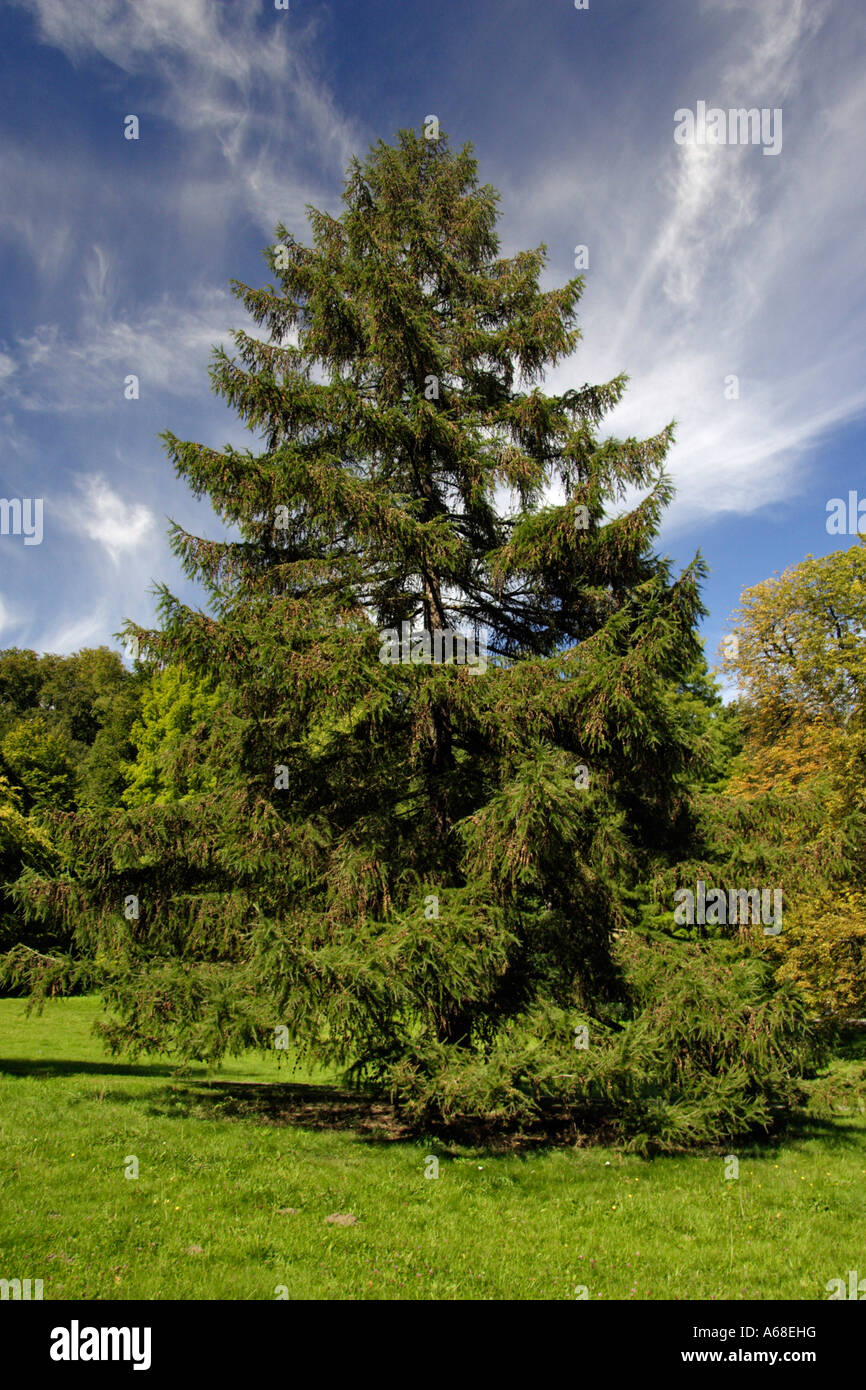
(800, 662)
(824, 952)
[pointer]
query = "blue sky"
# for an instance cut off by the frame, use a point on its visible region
(705, 261)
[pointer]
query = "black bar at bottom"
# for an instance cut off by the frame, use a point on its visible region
(59, 1340)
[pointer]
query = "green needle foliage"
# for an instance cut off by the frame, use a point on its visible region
(399, 863)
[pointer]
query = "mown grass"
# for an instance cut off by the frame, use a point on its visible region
(219, 1168)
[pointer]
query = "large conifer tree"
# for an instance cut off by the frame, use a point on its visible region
(402, 859)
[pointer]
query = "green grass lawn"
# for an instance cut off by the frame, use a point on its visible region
(238, 1172)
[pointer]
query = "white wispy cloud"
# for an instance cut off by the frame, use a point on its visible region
(235, 80)
(82, 368)
(710, 262)
(29, 214)
(73, 634)
(241, 74)
(101, 515)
